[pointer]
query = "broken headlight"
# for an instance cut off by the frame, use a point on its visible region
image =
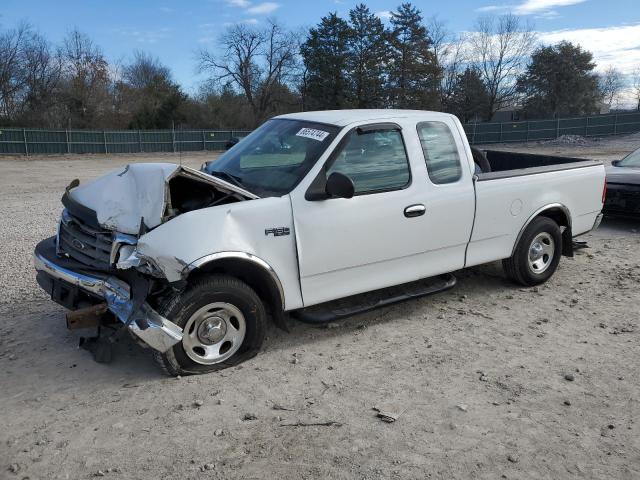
(128, 257)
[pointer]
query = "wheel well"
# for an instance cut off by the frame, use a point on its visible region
(556, 214)
(561, 217)
(253, 275)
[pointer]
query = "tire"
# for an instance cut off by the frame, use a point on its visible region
(537, 254)
(223, 322)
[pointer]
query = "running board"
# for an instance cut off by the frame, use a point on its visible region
(365, 302)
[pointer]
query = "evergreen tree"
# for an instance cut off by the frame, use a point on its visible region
(413, 70)
(559, 81)
(367, 58)
(326, 59)
(469, 98)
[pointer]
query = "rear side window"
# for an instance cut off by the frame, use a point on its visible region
(374, 160)
(440, 152)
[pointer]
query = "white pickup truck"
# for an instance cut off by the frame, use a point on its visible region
(319, 215)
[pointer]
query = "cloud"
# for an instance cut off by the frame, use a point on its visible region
(248, 21)
(611, 46)
(384, 15)
(548, 15)
(544, 8)
(617, 47)
(536, 6)
(146, 36)
(263, 8)
(239, 3)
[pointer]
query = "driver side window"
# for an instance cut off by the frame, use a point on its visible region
(374, 160)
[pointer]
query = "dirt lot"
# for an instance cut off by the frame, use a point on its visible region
(477, 374)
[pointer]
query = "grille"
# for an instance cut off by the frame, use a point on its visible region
(83, 243)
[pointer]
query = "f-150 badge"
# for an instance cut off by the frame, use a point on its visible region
(277, 231)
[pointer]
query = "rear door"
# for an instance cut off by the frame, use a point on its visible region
(400, 226)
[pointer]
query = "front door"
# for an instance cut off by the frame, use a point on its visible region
(387, 234)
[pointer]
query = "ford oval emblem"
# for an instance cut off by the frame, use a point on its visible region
(78, 244)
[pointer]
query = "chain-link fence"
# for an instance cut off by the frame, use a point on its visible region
(31, 141)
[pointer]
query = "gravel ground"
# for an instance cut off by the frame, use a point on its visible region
(490, 380)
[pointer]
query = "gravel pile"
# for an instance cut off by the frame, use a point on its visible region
(577, 140)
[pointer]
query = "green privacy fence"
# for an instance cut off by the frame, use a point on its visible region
(533, 130)
(31, 141)
(34, 141)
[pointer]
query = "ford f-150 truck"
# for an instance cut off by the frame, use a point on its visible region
(316, 216)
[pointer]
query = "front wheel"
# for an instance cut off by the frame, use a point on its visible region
(223, 324)
(537, 254)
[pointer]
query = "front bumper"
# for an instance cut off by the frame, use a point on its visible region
(55, 277)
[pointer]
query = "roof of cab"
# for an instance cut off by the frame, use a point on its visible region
(342, 118)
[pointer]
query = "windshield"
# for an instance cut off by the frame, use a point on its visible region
(275, 157)
(631, 160)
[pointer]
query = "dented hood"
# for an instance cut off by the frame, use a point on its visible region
(123, 197)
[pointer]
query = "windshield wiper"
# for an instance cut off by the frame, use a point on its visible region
(227, 176)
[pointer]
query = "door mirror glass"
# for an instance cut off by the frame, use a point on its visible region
(339, 186)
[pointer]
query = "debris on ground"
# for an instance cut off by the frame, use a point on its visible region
(386, 416)
(328, 423)
(570, 140)
(277, 406)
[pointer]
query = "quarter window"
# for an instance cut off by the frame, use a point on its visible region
(440, 152)
(374, 160)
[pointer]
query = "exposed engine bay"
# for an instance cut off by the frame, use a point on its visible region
(144, 195)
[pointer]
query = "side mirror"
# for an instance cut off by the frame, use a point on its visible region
(339, 186)
(232, 142)
(615, 163)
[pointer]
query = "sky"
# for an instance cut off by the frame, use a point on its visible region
(176, 30)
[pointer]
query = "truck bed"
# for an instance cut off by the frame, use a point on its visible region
(514, 164)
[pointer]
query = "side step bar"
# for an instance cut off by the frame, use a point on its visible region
(365, 302)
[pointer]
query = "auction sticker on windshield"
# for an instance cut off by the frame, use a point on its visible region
(312, 133)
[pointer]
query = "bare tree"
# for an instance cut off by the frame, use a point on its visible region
(145, 70)
(611, 84)
(29, 75)
(500, 48)
(450, 53)
(636, 87)
(257, 61)
(86, 89)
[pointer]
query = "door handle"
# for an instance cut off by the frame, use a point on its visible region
(414, 210)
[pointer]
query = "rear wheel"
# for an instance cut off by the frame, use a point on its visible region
(223, 323)
(537, 254)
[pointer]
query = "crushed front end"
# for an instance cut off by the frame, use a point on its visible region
(77, 268)
(93, 265)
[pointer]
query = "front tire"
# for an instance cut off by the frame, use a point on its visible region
(223, 322)
(537, 254)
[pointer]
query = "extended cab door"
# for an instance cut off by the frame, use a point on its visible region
(400, 226)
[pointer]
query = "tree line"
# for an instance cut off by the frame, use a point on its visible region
(256, 72)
